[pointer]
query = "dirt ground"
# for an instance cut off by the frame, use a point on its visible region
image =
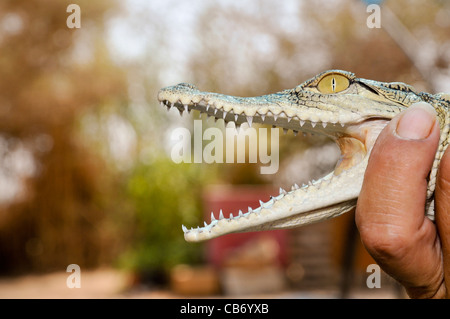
(108, 283)
(94, 284)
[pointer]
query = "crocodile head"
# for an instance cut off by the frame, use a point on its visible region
(349, 110)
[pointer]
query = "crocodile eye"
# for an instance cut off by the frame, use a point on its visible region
(333, 83)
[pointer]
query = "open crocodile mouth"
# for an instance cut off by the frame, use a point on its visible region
(327, 197)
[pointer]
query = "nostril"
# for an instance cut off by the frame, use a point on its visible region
(187, 85)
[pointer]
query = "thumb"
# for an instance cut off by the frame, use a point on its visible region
(391, 207)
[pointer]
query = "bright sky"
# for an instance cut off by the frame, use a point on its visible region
(131, 36)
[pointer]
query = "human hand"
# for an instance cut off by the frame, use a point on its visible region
(390, 210)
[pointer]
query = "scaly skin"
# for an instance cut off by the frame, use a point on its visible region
(349, 110)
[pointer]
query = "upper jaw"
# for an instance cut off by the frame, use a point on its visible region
(354, 132)
(335, 117)
(281, 109)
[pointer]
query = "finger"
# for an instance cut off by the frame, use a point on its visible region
(390, 211)
(442, 199)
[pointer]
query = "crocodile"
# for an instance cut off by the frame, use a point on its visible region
(349, 110)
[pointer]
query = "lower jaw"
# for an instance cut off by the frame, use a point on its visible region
(328, 197)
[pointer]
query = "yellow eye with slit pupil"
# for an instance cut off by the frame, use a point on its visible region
(333, 83)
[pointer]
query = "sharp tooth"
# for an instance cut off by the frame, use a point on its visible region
(282, 191)
(215, 111)
(275, 117)
(224, 114)
(296, 186)
(184, 228)
(324, 124)
(236, 117)
(221, 215)
(313, 124)
(263, 117)
(261, 203)
(289, 119)
(295, 133)
(212, 216)
(207, 107)
(231, 216)
(249, 120)
(250, 209)
(240, 213)
(204, 223)
(302, 122)
(186, 107)
(285, 130)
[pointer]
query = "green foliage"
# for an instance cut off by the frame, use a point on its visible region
(165, 195)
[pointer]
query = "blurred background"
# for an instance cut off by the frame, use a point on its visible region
(85, 170)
